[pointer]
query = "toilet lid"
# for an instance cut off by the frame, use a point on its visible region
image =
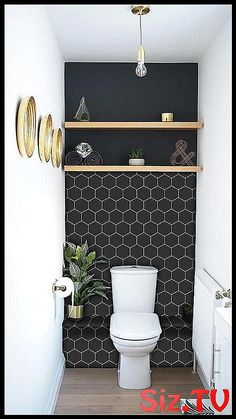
(135, 326)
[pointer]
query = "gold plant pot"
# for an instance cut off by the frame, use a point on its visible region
(75, 312)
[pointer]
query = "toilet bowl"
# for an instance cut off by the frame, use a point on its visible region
(134, 328)
(134, 335)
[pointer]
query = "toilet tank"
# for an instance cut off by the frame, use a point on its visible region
(133, 288)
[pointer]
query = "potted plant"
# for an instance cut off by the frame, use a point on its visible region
(77, 263)
(136, 157)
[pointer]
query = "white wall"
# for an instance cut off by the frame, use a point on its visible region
(213, 237)
(34, 223)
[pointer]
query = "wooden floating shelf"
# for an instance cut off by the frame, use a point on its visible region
(134, 125)
(103, 168)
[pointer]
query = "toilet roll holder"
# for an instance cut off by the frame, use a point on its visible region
(56, 287)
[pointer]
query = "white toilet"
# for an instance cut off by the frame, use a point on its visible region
(134, 328)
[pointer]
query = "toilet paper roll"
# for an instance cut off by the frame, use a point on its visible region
(68, 283)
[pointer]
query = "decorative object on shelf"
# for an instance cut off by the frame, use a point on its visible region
(93, 159)
(84, 149)
(77, 263)
(140, 10)
(185, 159)
(82, 113)
(167, 117)
(56, 154)
(45, 138)
(73, 158)
(136, 157)
(26, 126)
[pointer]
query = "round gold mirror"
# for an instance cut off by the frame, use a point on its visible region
(45, 138)
(57, 147)
(26, 126)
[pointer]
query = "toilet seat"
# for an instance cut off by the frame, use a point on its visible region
(139, 327)
(134, 343)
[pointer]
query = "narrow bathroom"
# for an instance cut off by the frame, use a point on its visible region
(118, 214)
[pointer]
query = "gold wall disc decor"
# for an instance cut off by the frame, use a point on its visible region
(45, 138)
(57, 147)
(26, 126)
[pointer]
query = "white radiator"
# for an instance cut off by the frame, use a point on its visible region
(203, 321)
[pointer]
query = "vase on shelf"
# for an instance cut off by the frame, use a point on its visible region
(82, 113)
(136, 162)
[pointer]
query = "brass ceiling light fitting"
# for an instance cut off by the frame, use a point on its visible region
(140, 10)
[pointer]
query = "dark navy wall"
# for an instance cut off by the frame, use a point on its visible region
(114, 93)
(133, 218)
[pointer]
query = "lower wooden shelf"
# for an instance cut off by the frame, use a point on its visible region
(103, 168)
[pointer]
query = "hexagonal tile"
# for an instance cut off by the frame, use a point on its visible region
(157, 216)
(122, 228)
(130, 193)
(178, 181)
(157, 193)
(109, 181)
(143, 216)
(136, 251)
(178, 345)
(136, 204)
(164, 344)
(171, 240)
(116, 240)
(129, 216)
(143, 240)
(102, 356)
(164, 251)
(102, 216)
(123, 205)
(122, 181)
(69, 181)
(88, 216)
(143, 193)
(164, 205)
(88, 356)
(171, 356)
(108, 204)
(164, 181)
(122, 251)
(129, 239)
(115, 193)
(101, 193)
(185, 216)
(136, 228)
(185, 263)
(150, 204)
(136, 181)
(178, 205)
(68, 345)
(109, 251)
(109, 228)
(95, 181)
(171, 286)
(150, 228)
(178, 298)
(116, 216)
(164, 298)
(151, 252)
(185, 240)
(171, 193)
(81, 181)
(171, 217)
(81, 345)
(102, 239)
(178, 251)
(81, 228)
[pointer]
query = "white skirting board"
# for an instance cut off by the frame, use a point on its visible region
(55, 387)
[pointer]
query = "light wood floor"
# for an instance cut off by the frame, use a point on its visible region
(94, 391)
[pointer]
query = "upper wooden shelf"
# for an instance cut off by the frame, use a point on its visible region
(103, 168)
(134, 125)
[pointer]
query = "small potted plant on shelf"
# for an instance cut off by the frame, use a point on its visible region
(136, 157)
(77, 263)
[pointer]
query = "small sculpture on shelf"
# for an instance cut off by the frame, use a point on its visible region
(185, 159)
(82, 113)
(84, 155)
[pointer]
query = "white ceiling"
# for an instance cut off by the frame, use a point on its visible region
(171, 33)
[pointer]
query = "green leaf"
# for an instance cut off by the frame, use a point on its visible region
(72, 247)
(84, 248)
(74, 270)
(91, 256)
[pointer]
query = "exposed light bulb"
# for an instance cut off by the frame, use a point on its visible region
(141, 70)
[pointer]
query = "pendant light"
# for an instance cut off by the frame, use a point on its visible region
(140, 10)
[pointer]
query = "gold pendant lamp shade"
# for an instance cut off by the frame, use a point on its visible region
(140, 10)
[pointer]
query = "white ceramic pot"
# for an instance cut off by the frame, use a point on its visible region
(136, 162)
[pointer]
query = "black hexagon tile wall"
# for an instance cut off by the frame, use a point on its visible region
(133, 218)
